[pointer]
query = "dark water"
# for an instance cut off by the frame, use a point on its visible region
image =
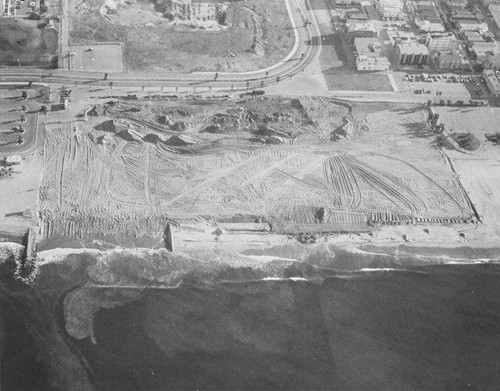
(434, 327)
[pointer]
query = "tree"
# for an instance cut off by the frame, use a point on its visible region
(24, 95)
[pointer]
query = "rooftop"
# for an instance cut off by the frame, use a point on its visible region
(412, 48)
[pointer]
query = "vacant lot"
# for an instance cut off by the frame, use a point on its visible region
(22, 43)
(296, 164)
(257, 34)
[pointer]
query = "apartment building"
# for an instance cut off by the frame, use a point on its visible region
(411, 53)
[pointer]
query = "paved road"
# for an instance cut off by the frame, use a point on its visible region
(306, 49)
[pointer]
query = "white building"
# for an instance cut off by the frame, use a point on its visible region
(441, 43)
(428, 26)
(472, 25)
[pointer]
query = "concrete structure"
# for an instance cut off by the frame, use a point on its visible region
(471, 25)
(13, 159)
(492, 82)
(411, 53)
(441, 43)
(451, 61)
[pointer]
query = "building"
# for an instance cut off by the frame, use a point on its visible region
(456, 4)
(482, 49)
(411, 53)
(6, 7)
(390, 9)
(368, 47)
(370, 56)
(427, 17)
(427, 26)
(356, 26)
(391, 37)
(491, 79)
(472, 36)
(451, 61)
(459, 14)
(495, 13)
(486, 3)
(471, 25)
(441, 43)
(492, 62)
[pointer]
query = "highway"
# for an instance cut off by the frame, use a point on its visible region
(306, 49)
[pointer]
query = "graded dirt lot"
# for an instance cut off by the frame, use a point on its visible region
(254, 34)
(22, 43)
(479, 169)
(289, 166)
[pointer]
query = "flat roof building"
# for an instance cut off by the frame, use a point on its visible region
(411, 53)
(491, 79)
(471, 25)
(452, 61)
(393, 36)
(441, 43)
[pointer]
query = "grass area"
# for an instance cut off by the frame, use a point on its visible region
(20, 39)
(180, 48)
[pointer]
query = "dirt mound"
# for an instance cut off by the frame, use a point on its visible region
(106, 126)
(163, 119)
(179, 126)
(180, 141)
(152, 138)
(129, 135)
(213, 129)
(96, 111)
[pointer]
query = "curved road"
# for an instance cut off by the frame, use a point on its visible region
(306, 48)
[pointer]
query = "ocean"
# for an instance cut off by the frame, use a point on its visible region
(335, 319)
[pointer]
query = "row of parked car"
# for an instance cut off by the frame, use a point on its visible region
(424, 77)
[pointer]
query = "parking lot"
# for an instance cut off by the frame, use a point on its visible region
(447, 86)
(19, 117)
